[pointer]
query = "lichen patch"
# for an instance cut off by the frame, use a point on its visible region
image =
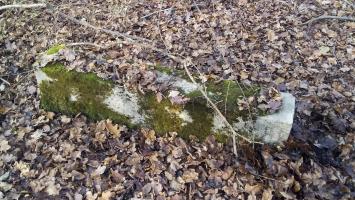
(218, 124)
(177, 82)
(186, 117)
(185, 86)
(41, 76)
(74, 95)
(125, 103)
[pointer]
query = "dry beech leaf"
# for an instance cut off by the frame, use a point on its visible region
(4, 145)
(113, 129)
(149, 136)
(52, 188)
(106, 195)
(267, 194)
(244, 75)
(227, 173)
(65, 120)
(252, 189)
(100, 170)
(190, 176)
(271, 35)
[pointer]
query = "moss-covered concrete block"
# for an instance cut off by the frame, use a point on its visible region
(71, 92)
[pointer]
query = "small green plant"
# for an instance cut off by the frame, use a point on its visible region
(55, 49)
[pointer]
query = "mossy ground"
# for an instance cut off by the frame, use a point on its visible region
(90, 90)
(163, 117)
(225, 94)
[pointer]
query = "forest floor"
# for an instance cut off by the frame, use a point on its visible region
(45, 155)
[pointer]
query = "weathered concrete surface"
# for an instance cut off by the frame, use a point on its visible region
(276, 127)
(72, 92)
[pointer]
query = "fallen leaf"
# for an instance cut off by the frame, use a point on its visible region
(4, 145)
(271, 35)
(149, 136)
(113, 129)
(267, 194)
(100, 170)
(64, 119)
(5, 186)
(52, 189)
(227, 173)
(190, 176)
(324, 50)
(252, 189)
(244, 75)
(106, 195)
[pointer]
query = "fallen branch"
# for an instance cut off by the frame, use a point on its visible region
(36, 5)
(311, 21)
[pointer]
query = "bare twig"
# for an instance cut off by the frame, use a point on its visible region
(85, 44)
(226, 99)
(36, 5)
(114, 33)
(155, 12)
(311, 21)
(5, 81)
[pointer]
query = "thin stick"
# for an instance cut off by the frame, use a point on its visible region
(5, 81)
(114, 33)
(131, 40)
(36, 5)
(311, 21)
(225, 101)
(85, 44)
(155, 12)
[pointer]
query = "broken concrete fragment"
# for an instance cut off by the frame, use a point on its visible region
(272, 128)
(277, 126)
(71, 92)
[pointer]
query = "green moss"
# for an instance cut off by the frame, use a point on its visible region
(90, 89)
(160, 115)
(220, 137)
(164, 117)
(163, 69)
(202, 117)
(55, 49)
(226, 94)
